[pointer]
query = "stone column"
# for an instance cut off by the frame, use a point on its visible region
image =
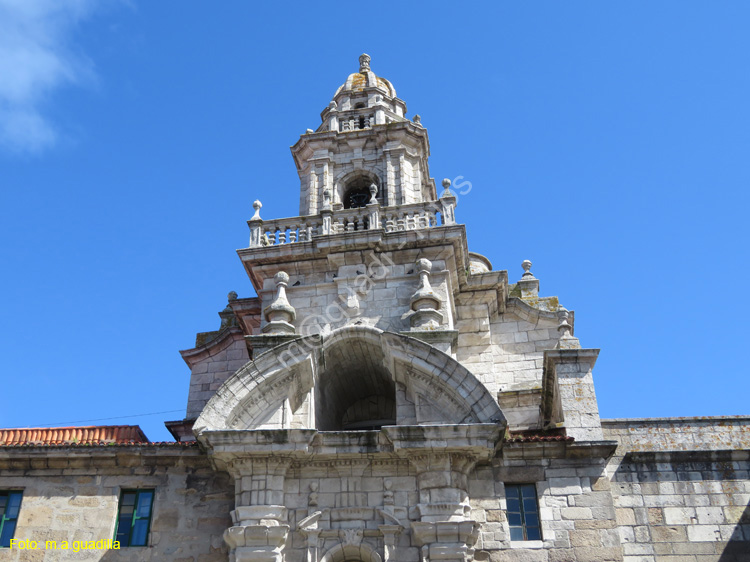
(402, 178)
(326, 213)
(390, 178)
(442, 481)
(444, 531)
(443, 457)
(389, 540)
(260, 525)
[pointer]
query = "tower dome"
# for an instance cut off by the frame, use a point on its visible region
(366, 78)
(364, 144)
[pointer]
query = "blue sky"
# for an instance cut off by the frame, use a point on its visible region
(608, 142)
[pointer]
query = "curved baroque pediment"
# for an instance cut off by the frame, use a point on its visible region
(348, 379)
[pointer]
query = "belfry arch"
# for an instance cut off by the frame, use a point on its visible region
(354, 188)
(354, 378)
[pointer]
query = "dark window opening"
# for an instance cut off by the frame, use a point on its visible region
(523, 512)
(10, 505)
(134, 517)
(357, 193)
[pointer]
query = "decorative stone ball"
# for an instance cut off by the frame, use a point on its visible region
(281, 278)
(446, 183)
(526, 265)
(257, 205)
(424, 265)
(232, 296)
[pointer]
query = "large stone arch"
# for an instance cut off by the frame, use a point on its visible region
(280, 387)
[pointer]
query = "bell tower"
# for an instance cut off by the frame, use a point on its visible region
(380, 350)
(364, 139)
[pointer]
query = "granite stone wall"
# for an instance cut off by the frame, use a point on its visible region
(681, 488)
(71, 494)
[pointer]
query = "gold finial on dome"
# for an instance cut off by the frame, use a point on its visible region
(364, 62)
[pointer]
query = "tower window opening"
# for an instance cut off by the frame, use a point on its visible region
(359, 106)
(357, 193)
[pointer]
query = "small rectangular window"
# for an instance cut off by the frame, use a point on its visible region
(10, 505)
(134, 517)
(523, 512)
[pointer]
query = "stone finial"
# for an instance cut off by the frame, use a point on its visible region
(417, 119)
(228, 319)
(280, 314)
(326, 198)
(309, 131)
(257, 206)
(567, 340)
(526, 265)
(364, 62)
(446, 188)
(424, 266)
(564, 328)
(373, 192)
(528, 284)
(424, 302)
(448, 204)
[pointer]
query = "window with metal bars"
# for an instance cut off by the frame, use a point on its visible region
(523, 512)
(134, 517)
(10, 505)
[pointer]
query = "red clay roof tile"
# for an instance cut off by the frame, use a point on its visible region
(89, 435)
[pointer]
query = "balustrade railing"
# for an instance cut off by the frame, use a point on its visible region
(409, 217)
(356, 122)
(289, 231)
(415, 216)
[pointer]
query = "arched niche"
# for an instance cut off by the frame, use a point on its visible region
(361, 552)
(353, 378)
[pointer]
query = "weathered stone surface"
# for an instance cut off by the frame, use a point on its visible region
(380, 396)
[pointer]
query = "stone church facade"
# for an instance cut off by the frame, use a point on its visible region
(387, 397)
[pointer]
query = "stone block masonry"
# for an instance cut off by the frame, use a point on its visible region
(71, 494)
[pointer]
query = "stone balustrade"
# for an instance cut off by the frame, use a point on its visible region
(288, 231)
(416, 216)
(356, 122)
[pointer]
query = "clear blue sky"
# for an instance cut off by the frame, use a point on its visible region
(608, 142)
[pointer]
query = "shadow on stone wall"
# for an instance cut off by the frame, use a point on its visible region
(738, 547)
(694, 503)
